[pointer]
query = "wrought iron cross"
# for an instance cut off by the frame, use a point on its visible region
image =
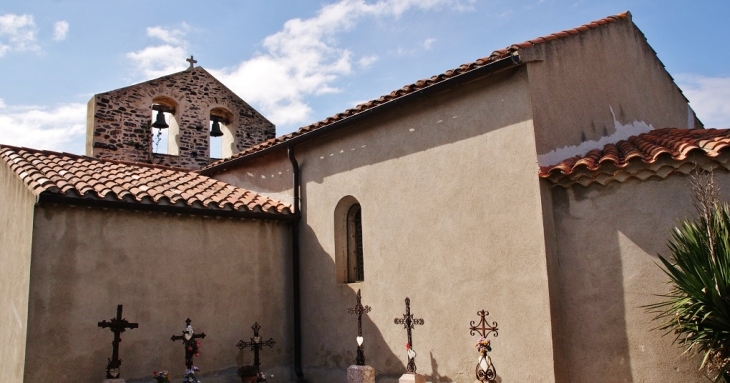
(485, 370)
(485, 329)
(192, 62)
(256, 344)
(118, 325)
(189, 344)
(409, 323)
(359, 309)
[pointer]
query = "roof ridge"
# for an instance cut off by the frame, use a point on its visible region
(419, 85)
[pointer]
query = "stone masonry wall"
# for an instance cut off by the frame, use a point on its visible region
(118, 121)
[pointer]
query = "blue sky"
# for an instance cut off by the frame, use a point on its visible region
(301, 61)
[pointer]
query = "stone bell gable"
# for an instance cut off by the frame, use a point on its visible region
(119, 122)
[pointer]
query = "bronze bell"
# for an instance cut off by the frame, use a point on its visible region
(160, 121)
(215, 130)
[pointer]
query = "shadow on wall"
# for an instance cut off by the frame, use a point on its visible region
(329, 332)
(608, 240)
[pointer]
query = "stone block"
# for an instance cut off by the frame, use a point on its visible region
(412, 378)
(360, 374)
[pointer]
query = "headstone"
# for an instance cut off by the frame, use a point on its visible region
(408, 322)
(412, 378)
(117, 325)
(256, 344)
(190, 341)
(359, 309)
(360, 374)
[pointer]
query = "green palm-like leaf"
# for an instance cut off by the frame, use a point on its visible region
(697, 309)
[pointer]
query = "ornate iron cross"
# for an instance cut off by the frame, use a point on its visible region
(359, 309)
(256, 344)
(409, 323)
(485, 370)
(118, 325)
(192, 62)
(485, 329)
(191, 347)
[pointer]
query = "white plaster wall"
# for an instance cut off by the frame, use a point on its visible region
(16, 221)
(451, 218)
(608, 238)
(224, 274)
(598, 83)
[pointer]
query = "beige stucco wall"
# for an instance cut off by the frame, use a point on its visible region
(436, 180)
(224, 274)
(16, 221)
(608, 238)
(576, 80)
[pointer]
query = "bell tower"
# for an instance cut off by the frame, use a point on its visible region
(186, 119)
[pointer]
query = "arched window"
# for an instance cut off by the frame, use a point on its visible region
(221, 146)
(355, 269)
(165, 141)
(349, 251)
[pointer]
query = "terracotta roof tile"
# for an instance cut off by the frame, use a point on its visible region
(420, 84)
(69, 174)
(659, 152)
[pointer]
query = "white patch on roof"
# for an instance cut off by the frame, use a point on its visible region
(622, 132)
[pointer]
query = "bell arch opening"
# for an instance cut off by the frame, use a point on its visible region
(165, 127)
(221, 142)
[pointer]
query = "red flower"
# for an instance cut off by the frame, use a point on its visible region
(190, 349)
(408, 346)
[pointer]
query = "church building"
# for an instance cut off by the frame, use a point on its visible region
(539, 183)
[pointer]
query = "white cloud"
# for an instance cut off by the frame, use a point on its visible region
(367, 60)
(709, 97)
(60, 30)
(428, 43)
(303, 59)
(17, 33)
(61, 128)
(159, 60)
(170, 36)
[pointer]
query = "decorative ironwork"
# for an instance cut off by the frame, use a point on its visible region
(409, 324)
(359, 309)
(117, 325)
(189, 339)
(256, 344)
(485, 370)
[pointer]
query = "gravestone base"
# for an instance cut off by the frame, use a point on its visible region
(412, 378)
(360, 374)
(113, 381)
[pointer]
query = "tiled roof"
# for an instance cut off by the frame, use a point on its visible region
(70, 175)
(658, 153)
(421, 84)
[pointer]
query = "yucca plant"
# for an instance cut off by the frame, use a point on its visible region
(697, 309)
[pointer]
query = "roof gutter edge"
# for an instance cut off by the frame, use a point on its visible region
(51, 198)
(483, 71)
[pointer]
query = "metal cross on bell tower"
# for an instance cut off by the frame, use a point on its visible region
(256, 344)
(409, 323)
(192, 62)
(118, 325)
(359, 309)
